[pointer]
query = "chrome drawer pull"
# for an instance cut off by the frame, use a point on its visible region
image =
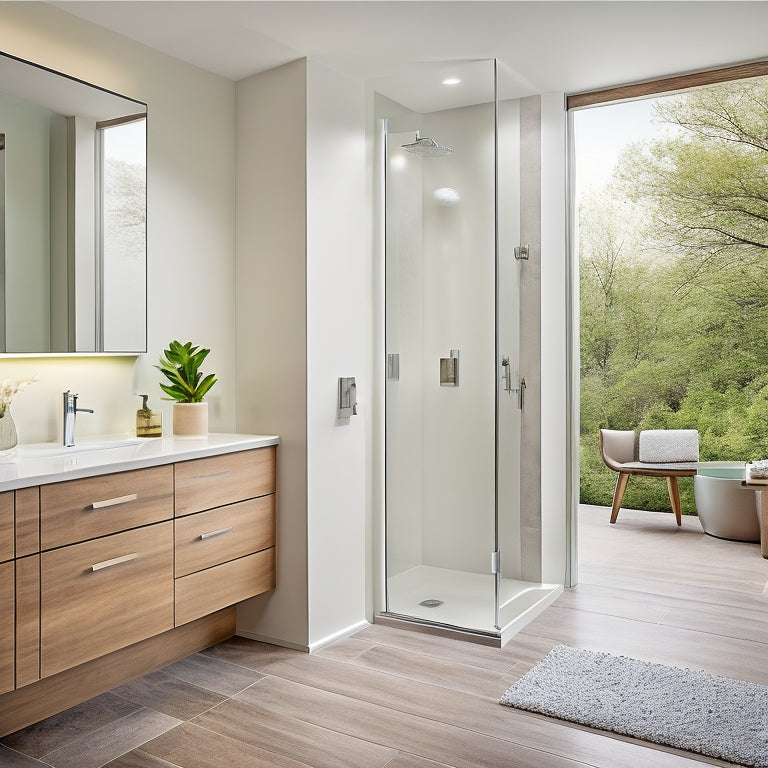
(114, 502)
(114, 561)
(214, 474)
(221, 532)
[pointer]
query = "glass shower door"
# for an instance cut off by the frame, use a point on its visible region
(511, 383)
(441, 350)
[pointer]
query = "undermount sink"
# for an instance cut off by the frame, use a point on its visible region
(48, 450)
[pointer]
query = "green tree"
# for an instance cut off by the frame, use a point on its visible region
(708, 181)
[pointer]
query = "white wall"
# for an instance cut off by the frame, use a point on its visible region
(339, 333)
(190, 233)
(272, 322)
(303, 320)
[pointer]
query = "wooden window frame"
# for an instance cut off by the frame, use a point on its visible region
(667, 84)
(102, 124)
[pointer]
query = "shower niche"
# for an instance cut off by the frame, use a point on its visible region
(455, 423)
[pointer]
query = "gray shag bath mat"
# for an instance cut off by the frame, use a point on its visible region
(683, 708)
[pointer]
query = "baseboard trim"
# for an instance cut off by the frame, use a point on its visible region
(342, 633)
(312, 647)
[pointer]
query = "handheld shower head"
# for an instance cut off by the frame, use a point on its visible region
(426, 147)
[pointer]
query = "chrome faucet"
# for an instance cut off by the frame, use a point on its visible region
(70, 411)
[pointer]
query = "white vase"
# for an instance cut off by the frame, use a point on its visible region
(190, 419)
(8, 437)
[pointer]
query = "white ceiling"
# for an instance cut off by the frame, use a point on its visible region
(543, 46)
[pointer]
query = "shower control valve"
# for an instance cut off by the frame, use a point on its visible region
(506, 375)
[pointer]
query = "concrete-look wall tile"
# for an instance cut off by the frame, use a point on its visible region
(531, 542)
(530, 332)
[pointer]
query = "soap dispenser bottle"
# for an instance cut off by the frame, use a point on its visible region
(149, 423)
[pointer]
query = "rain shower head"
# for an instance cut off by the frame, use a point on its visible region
(426, 147)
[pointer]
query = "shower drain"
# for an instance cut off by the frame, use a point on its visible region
(431, 603)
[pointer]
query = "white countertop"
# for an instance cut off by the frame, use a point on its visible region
(33, 464)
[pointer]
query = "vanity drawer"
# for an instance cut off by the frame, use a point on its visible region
(7, 535)
(218, 480)
(225, 533)
(207, 591)
(77, 510)
(105, 594)
(7, 612)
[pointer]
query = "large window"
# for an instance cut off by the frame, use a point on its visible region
(672, 210)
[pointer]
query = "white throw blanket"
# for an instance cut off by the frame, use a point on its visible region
(757, 470)
(667, 446)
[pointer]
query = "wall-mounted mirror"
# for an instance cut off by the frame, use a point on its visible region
(72, 215)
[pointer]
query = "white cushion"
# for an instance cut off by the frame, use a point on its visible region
(665, 446)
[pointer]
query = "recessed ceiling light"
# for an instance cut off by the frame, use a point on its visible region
(451, 81)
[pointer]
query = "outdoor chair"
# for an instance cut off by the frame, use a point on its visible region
(669, 453)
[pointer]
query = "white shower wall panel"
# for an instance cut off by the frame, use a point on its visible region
(458, 313)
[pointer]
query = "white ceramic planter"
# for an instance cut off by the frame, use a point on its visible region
(726, 509)
(190, 419)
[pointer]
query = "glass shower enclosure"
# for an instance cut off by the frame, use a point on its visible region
(455, 391)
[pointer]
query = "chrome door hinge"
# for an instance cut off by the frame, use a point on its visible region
(496, 562)
(393, 366)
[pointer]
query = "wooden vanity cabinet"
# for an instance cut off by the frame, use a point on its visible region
(104, 579)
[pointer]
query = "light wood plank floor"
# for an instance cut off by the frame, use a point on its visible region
(405, 699)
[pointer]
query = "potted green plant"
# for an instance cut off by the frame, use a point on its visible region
(185, 384)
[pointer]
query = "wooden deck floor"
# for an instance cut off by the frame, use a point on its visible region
(404, 699)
